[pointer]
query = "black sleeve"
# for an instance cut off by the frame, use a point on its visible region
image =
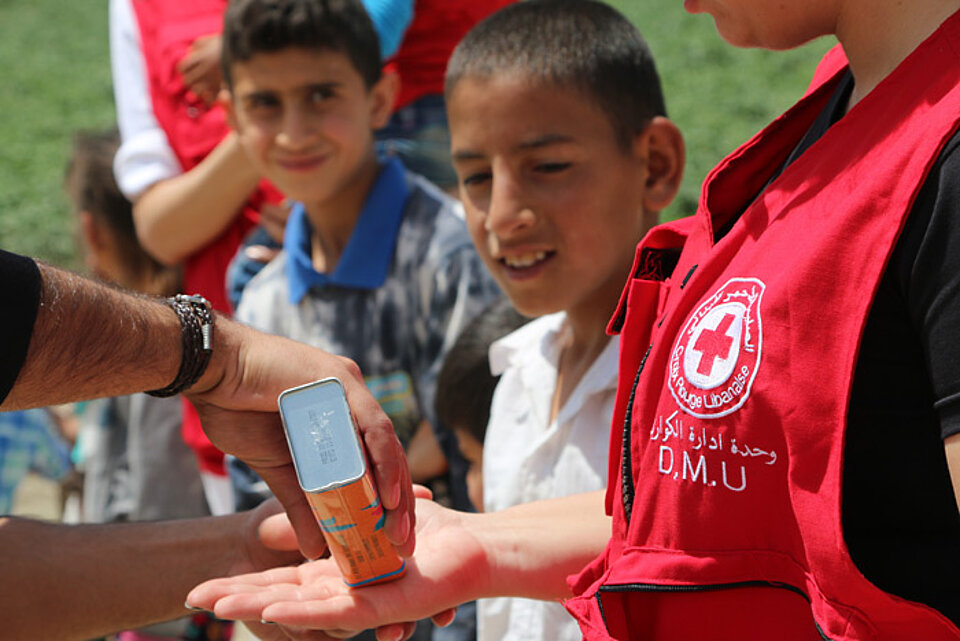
(931, 281)
(20, 296)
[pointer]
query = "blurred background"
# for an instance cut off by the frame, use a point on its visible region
(56, 79)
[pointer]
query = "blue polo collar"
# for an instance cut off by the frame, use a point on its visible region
(367, 256)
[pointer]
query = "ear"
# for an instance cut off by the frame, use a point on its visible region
(94, 243)
(225, 100)
(384, 96)
(662, 144)
(90, 232)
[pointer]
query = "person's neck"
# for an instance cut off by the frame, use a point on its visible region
(334, 219)
(877, 35)
(583, 339)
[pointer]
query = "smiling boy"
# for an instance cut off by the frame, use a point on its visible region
(565, 158)
(377, 264)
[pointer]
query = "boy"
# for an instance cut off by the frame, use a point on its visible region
(377, 263)
(802, 351)
(465, 387)
(565, 159)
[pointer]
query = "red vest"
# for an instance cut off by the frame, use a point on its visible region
(726, 488)
(436, 29)
(167, 29)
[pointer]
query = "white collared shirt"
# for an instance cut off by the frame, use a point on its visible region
(527, 457)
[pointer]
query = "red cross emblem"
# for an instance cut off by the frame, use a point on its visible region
(715, 357)
(714, 343)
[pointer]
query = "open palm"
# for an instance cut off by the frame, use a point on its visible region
(447, 569)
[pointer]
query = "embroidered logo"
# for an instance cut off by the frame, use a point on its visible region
(717, 354)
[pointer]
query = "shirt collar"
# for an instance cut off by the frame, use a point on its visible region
(535, 347)
(366, 258)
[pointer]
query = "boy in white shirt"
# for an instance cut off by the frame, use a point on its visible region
(565, 158)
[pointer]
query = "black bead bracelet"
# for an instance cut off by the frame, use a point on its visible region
(196, 324)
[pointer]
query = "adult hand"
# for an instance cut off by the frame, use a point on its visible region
(237, 402)
(447, 570)
(136, 345)
(200, 67)
(273, 218)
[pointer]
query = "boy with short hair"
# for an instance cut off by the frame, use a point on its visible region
(788, 378)
(377, 263)
(565, 159)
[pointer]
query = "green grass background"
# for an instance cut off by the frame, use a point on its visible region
(54, 59)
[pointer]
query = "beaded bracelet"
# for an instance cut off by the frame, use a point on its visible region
(196, 325)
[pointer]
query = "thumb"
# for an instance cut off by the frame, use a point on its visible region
(277, 533)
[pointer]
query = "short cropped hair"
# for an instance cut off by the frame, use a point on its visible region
(581, 44)
(465, 385)
(251, 27)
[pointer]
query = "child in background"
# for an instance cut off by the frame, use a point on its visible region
(136, 465)
(416, 40)
(30, 443)
(418, 131)
(465, 387)
(377, 263)
(195, 194)
(789, 377)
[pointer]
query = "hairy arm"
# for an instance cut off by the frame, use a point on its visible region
(90, 340)
(82, 581)
(180, 215)
(525, 551)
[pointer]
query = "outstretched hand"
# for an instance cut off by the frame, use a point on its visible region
(237, 403)
(268, 540)
(447, 570)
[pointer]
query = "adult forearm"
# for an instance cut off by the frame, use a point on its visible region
(90, 340)
(80, 582)
(178, 216)
(531, 549)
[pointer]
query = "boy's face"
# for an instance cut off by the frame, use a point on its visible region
(770, 25)
(306, 120)
(554, 204)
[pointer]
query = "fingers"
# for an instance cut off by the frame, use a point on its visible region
(396, 631)
(401, 519)
(206, 595)
(283, 483)
(445, 618)
(387, 460)
(422, 492)
(260, 253)
(274, 632)
(273, 218)
(277, 533)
